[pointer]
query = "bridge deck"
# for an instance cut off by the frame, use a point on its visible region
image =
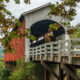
(64, 59)
(66, 51)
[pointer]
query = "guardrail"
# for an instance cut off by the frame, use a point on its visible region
(60, 48)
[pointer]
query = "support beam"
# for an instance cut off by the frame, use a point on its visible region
(70, 73)
(47, 67)
(62, 75)
(46, 74)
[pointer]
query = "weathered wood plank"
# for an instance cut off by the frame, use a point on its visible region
(47, 67)
(76, 46)
(70, 73)
(77, 39)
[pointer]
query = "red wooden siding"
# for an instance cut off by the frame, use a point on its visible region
(19, 45)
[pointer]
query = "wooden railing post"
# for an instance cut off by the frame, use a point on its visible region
(45, 52)
(30, 53)
(36, 53)
(51, 51)
(40, 52)
(33, 54)
(69, 51)
(59, 51)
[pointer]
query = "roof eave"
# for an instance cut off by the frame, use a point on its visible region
(48, 4)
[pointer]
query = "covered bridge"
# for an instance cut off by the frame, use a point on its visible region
(59, 51)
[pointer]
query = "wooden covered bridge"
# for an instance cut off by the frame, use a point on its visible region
(62, 52)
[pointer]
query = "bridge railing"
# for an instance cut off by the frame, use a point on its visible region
(75, 46)
(48, 51)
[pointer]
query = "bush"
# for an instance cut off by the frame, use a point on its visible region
(4, 72)
(24, 71)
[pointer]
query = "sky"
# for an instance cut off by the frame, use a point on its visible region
(18, 9)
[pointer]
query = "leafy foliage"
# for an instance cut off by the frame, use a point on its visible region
(7, 23)
(24, 71)
(1, 62)
(75, 32)
(4, 72)
(67, 10)
(60, 9)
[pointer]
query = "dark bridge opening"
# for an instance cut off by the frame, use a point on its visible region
(39, 28)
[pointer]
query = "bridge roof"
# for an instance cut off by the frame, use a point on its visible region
(37, 8)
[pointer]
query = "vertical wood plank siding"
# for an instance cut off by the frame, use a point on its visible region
(19, 45)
